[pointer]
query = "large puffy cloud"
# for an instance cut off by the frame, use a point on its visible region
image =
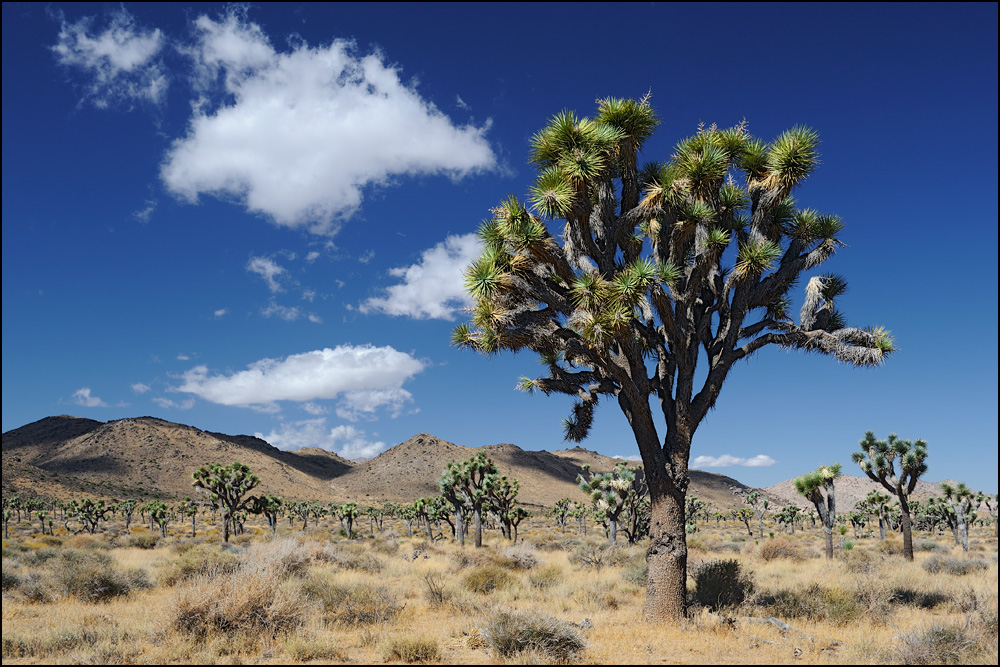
(297, 135)
(726, 460)
(121, 61)
(346, 440)
(433, 288)
(367, 377)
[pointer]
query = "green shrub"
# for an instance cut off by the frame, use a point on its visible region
(721, 583)
(508, 633)
(919, 599)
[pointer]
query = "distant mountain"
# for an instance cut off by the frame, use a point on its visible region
(141, 457)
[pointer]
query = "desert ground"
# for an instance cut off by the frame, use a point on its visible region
(313, 596)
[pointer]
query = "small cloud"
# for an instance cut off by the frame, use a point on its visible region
(221, 312)
(143, 215)
(314, 318)
(312, 256)
(167, 404)
(141, 388)
(183, 357)
(461, 103)
(367, 257)
(284, 312)
(83, 397)
(314, 408)
(120, 61)
(434, 287)
(267, 269)
(309, 295)
(633, 457)
(345, 440)
(727, 460)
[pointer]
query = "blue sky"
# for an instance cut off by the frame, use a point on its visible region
(253, 219)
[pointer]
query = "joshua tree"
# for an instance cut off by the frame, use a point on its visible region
(817, 487)
(788, 516)
(991, 508)
(744, 514)
(270, 506)
(641, 299)
(878, 458)
(879, 503)
(7, 514)
(501, 493)
(961, 501)
(228, 486)
(613, 492)
(127, 509)
(348, 513)
(464, 484)
(89, 512)
(190, 508)
(759, 503)
(561, 512)
(159, 514)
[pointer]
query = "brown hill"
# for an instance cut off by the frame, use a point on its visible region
(148, 456)
(145, 456)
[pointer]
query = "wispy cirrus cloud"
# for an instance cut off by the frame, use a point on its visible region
(365, 378)
(269, 270)
(432, 288)
(297, 135)
(726, 460)
(120, 61)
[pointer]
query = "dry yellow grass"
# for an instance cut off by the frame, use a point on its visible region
(312, 597)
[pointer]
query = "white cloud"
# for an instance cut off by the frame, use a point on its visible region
(348, 441)
(121, 60)
(166, 403)
(726, 460)
(141, 388)
(183, 357)
(433, 288)
(221, 312)
(312, 256)
(367, 377)
(269, 270)
(82, 397)
(364, 404)
(298, 135)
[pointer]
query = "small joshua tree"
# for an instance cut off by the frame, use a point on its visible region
(879, 503)
(878, 458)
(89, 512)
(268, 505)
(612, 491)
(228, 485)
(348, 513)
(561, 512)
(961, 501)
(759, 503)
(464, 484)
(817, 487)
(744, 514)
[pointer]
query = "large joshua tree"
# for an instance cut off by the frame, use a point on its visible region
(657, 270)
(878, 458)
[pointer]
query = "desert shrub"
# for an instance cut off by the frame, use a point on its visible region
(598, 595)
(248, 603)
(518, 556)
(283, 556)
(780, 547)
(956, 566)
(936, 644)
(722, 583)
(919, 599)
(305, 648)
(36, 589)
(859, 561)
(487, 579)
(508, 633)
(40, 556)
(351, 558)
(410, 649)
(92, 577)
(733, 546)
(9, 579)
(434, 589)
(16, 645)
(545, 576)
(636, 572)
(806, 604)
(201, 560)
(388, 545)
(143, 541)
(926, 545)
(350, 604)
(597, 557)
(835, 605)
(891, 546)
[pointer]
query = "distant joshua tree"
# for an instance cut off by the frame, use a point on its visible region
(961, 501)
(817, 487)
(228, 485)
(878, 458)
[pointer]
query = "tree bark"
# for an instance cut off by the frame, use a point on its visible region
(906, 527)
(667, 553)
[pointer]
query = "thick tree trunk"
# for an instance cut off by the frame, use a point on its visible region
(667, 553)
